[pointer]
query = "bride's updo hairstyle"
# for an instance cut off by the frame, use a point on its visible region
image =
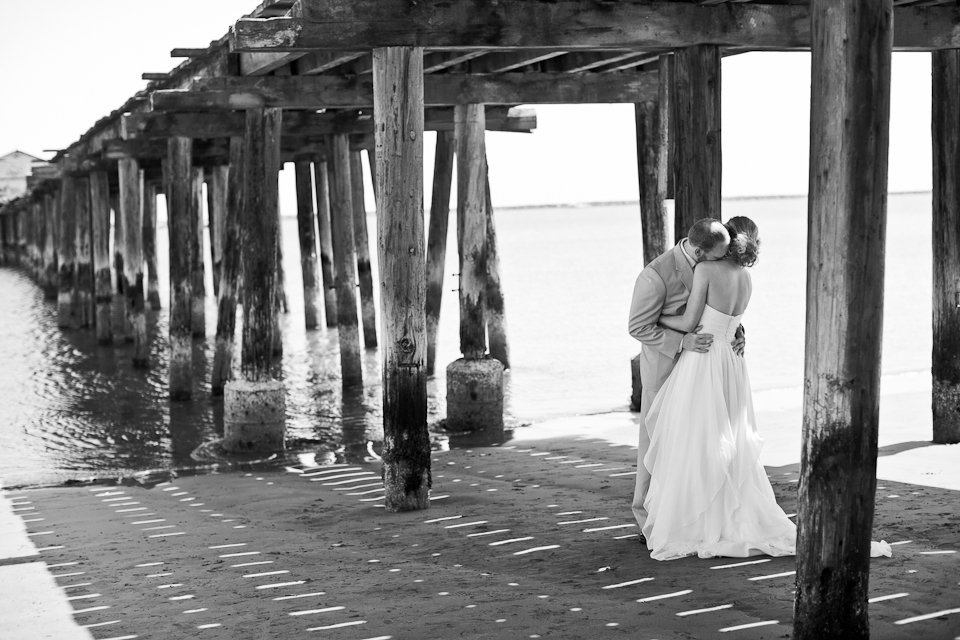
(744, 243)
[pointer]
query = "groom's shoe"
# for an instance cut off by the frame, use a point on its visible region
(642, 538)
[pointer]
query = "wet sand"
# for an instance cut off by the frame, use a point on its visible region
(531, 539)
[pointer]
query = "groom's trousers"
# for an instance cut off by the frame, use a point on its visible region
(643, 475)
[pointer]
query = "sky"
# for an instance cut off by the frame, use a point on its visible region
(78, 61)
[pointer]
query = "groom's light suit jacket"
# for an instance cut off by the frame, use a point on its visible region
(662, 288)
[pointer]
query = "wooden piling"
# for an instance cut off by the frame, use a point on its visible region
(495, 312)
(254, 405)
(50, 202)
(368, 309)
(321, 178)
(666, 101)
(178, 188)
(345, 260)
(84, 282)
(150, 244)
(216, 206)
(306, 221)
(131, 211)
(229, 270)
(198, 315)
(652, 157)
(945, 125)
(66, 252)
(437, 239)
(471, 227)
(698, 154)
(849, 135)
(103, 279)
(398, 113)
(119, 314)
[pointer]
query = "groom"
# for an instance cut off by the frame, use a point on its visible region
(663, 288)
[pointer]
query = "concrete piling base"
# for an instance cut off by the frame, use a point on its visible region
(474, 394)
(253, 416)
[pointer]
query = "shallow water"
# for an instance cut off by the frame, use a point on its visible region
(72, 409)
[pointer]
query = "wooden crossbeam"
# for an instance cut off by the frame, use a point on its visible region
(263, 62)
(320, 61)
(156, 124)
(564, 24)
(504, 62)
(351, 92)
(157, 76)
(214, 152)
(590, 61)
(446, 60)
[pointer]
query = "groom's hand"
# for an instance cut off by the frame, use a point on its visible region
(739, 342)
(699, 342)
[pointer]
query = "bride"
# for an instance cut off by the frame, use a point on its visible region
(709, 495)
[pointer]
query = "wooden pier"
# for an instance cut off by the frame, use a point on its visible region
(317, 82)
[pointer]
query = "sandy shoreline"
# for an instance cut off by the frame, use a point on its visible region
(568, 566)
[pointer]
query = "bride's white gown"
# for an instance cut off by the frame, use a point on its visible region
(709, 495)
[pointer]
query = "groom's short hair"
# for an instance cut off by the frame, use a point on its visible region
(707, 233)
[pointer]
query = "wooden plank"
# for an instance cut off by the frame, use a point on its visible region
(698, 151)
(444, 60)
(259, 220)
(849, 139)
(131, 209)
(471, 229)
(590, 61)
(261, 63)
(565, 24)
(368, 309)
(157, 77)
(345, 261)
(398, 74)
(230, 271)
(322, 187)
(178, 188)
(103, 284)
(348, 92)
(150, 243)
(161, 125)
(187, 52)
(306, 227)
(946, 246)
(216, 152)
(503, 62)
(437, 239)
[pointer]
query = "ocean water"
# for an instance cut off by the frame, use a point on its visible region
(73, 409)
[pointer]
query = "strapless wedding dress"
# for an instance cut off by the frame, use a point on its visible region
(709, 494)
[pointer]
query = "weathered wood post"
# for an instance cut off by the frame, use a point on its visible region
(229, 270)
(306, 222)
(131, 211)
(368, 309)
(50, 203)
(398, 115)
(119, 315)
(849, 135)
(437, 239)
(345, 260)
(216, 204)
(198, 315)
(325, 236)
(84, 280)
(280, 299)
(150, 243)
(67, 224)
(698, 153)
(103, 280)
(325, 239)
(474, 382)
(495, 312)
(178, 188)
(945, 124)
(254, 405)
(654, 169)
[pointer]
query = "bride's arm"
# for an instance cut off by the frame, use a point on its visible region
(695, 304)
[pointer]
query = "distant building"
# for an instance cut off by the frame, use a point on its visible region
(14, 169)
